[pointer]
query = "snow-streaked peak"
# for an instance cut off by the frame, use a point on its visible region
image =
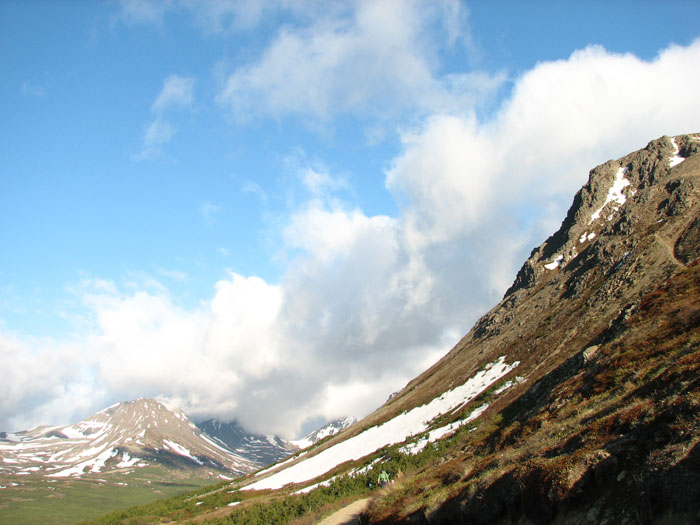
(329, 429)
(125, 435)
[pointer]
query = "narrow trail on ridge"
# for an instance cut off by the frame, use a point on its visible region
(347, 515)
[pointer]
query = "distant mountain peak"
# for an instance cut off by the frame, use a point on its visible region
(130, 434)
(329, 429)
(257, 447)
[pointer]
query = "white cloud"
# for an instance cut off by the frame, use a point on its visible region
(175, 275)
(157, 133)
(320, 182)
(366, 301)
(47, 382)
(226, 15)
(208, 210)
(177, 91)
(144, 11)
(374, 59)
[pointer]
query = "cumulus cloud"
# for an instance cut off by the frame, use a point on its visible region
(48, 382)
(367, 302)
(373, 59)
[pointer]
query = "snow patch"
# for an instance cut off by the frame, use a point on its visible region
(94, 465)
(555, 263)
(439, 433)
(615, 194)
(180, 450)
(302, 443)
(308, 489)
(396, 430)
(676, 159)
(586, 237)
(127, 461)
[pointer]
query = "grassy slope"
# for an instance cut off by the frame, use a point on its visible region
(37, 500)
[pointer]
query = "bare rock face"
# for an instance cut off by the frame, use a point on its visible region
(620, 200)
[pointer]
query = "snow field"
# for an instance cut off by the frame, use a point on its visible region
(439, 433)
(396, 430)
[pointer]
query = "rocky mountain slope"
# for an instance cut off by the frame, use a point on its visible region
(576, 399)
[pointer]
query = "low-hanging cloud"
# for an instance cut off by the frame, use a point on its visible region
(367, 302)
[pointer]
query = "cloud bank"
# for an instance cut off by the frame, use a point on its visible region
(366, 302)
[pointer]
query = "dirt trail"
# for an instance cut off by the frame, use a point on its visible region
(669, 247)
(347, 515)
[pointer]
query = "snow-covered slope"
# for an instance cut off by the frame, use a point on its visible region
(264, 450)
(124, 436)
(415, 427)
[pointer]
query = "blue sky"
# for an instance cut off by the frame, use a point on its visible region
(292, 208)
